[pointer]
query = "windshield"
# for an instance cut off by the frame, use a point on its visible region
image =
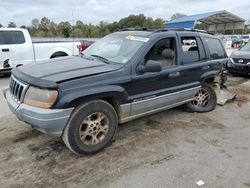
(116, 48)
(246, 47)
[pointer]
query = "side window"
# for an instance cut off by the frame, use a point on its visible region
(3, 38)
(190, 49)
(215, 48)
(163, 51)
(16, 37)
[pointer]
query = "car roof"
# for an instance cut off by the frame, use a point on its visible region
(135, 33)
(12, 29)
(152, 32)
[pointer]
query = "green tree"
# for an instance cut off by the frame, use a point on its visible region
(159, 22)
(1, 25)
(11, 25)
(53, 29)
(65, 28)
(133, 21)
(44, 24)
(76, 32)
(104, 29)
(35, 23)
(176, 16)
(201, 26)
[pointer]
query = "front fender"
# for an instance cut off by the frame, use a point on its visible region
(70, 98)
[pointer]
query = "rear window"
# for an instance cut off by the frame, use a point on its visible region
(215, 48)
(16, 37)
(3, 38)
(11, 37)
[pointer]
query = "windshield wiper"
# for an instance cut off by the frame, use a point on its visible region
(105, 60)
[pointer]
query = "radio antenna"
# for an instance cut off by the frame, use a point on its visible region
(73, 34)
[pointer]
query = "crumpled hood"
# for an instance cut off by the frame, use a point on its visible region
(61, 69)
(241, 54)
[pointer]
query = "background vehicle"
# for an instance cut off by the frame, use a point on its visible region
(226, 40)
(240, 61)
(124, 76)
(245, 38)
(236, 40)
(84, 45)
(17, 48)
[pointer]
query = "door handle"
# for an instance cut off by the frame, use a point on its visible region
(175, 74)
(206, 67)
(5, 50)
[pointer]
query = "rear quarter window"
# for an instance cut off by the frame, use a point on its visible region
(11, 37)
(216, 49)
(16, 37)
(3, 38)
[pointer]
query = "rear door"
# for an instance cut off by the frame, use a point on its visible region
(5, 53)
(193, 57)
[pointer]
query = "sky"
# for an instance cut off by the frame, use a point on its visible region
(94, 11)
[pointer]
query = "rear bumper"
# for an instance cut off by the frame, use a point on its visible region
(238, 68)
(49, 121)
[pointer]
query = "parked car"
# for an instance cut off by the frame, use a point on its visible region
(121, 77)
(240, 61)
(236, 41)
(84, 45)
(226, 41)
(17, 48)
(245, 38)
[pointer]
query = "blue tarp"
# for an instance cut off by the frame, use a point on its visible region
(188, 21)
(189, 25)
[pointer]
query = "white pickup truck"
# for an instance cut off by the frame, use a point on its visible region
(17, 48)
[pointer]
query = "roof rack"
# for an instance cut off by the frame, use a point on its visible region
(155, 30)
(139, 29)
(182, 29)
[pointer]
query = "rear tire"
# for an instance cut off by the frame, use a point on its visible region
(205, 100)
(91, 127)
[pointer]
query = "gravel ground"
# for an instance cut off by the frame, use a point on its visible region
(169, 149)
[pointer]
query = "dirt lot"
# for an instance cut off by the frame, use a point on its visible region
(169, 149)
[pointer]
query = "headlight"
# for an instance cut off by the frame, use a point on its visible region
(42, 98)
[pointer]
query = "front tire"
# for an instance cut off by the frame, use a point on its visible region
(91, 127)
(205, 100)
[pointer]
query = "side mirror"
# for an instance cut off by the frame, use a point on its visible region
(150, 66)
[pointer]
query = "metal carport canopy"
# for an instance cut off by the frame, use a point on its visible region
(216, 21)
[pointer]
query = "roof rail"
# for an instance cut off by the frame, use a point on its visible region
(155, 30)
(182, 29)
(139, 29)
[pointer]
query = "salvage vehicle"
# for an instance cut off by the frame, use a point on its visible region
(239, 63)
(121, 77)
(17, 48)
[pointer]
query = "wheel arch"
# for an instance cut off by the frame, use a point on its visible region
(209, 77)
(114, 95)
(58, 54)
(58, 51)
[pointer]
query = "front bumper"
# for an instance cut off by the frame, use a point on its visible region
(242, 69)
(49, 121)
